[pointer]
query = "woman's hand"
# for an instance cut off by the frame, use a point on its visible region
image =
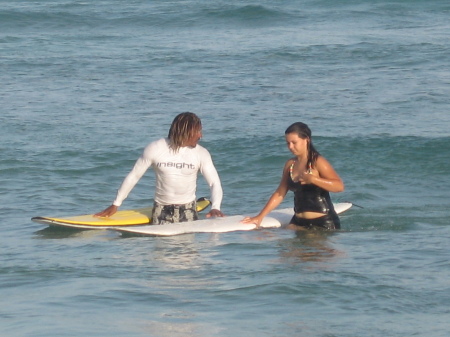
(307, 177)
(324, 176)
(252, 220)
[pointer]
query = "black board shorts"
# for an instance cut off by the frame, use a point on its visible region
(164, 214)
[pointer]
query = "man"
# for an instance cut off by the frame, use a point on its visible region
(176, 161)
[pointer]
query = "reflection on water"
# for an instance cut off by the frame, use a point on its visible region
(175, 323)
(312, 247)
(53, 232)
(177, 253)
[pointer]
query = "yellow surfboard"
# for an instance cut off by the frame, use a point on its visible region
(133, 217)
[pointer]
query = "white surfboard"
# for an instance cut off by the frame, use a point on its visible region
(277, 218)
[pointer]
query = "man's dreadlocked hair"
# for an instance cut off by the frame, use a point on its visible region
(183, 127)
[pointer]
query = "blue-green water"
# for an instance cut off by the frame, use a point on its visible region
(86, 85)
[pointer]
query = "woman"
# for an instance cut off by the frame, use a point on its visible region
(311, 177)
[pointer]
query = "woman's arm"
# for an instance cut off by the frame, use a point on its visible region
(275, 199)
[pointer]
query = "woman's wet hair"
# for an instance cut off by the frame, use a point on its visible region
(304, 132)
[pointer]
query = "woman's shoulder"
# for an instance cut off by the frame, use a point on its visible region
(322, 162)
(289, 163)
(321, 159)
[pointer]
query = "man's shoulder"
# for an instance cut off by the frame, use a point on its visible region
(156, 147)
(201, 150)
(160, 143)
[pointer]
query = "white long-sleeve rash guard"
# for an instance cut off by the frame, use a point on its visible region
(176, 174)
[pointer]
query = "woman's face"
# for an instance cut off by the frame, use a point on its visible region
(295, 144)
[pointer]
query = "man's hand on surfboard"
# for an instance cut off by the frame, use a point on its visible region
(214, 213)
(107, 212)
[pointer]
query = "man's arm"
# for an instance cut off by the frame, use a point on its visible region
(211, 176)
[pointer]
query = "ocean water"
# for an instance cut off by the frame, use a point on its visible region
(85, 85)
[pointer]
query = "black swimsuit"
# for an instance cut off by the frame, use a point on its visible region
(311, 198)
